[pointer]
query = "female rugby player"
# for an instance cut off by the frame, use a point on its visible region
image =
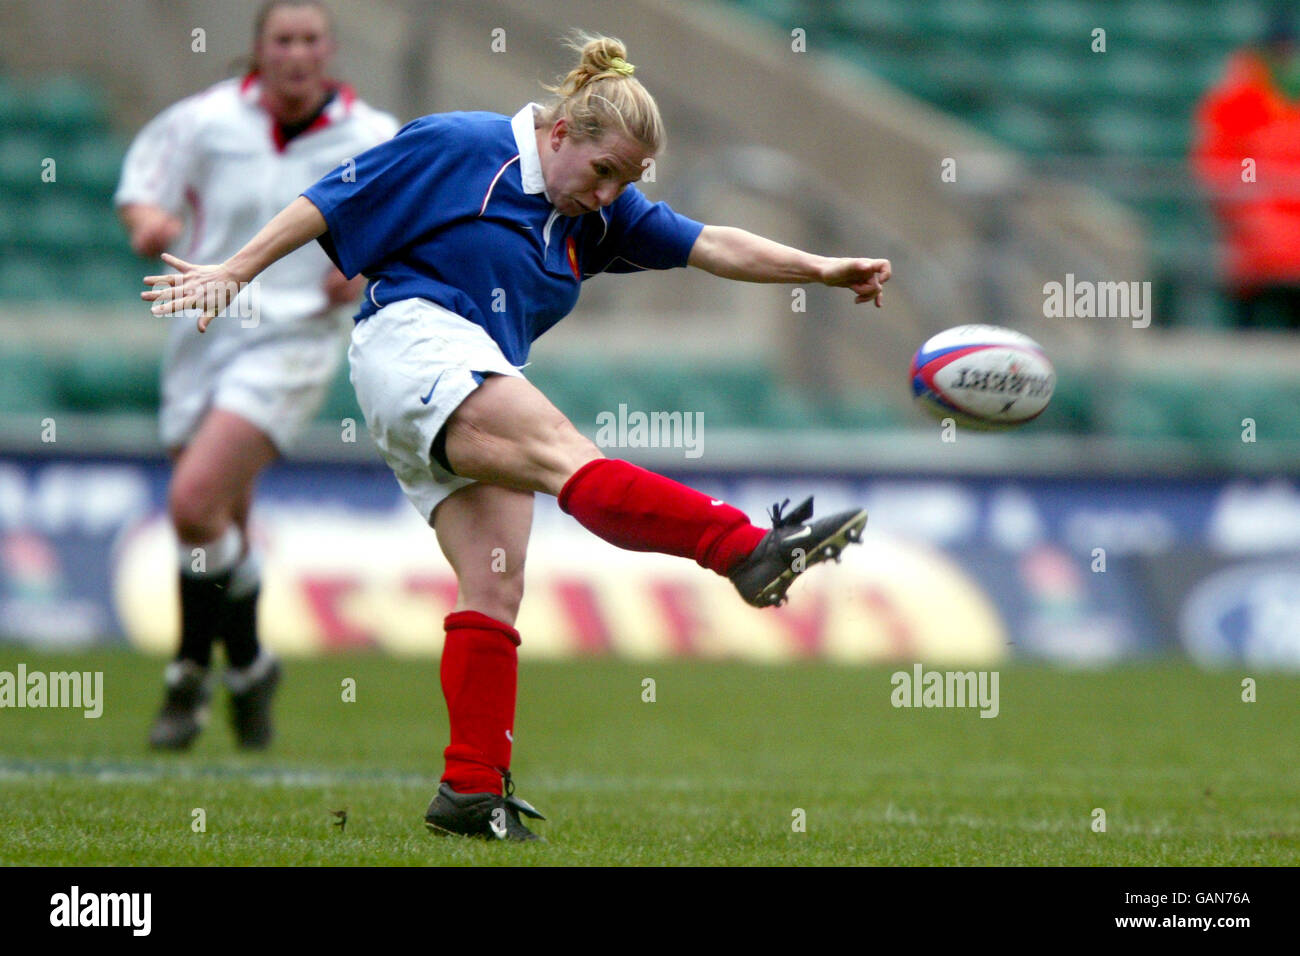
(475, 231)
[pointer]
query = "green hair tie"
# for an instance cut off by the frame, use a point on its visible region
(621, 66)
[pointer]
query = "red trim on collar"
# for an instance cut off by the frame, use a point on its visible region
(280, 144)
(278, 139)
(345, 96)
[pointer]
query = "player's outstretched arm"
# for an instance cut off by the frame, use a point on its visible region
(212, 288)
(737, 254)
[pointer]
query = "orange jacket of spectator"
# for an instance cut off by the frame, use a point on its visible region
(1247, 117)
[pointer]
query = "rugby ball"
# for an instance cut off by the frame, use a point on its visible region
(982, 376)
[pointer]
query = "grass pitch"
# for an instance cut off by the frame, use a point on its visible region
(719, 770)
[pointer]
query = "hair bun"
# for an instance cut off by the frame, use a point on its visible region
(604, 55)
(601, 58)
(600, 95)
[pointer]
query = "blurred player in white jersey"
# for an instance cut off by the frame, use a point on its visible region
(199, 180)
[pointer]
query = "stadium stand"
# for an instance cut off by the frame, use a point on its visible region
(1025, 72)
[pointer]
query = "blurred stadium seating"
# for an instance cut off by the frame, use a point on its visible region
(1023, 71)
(61, 244)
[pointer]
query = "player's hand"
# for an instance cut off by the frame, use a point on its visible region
(340, 290)
(210, 289)
(866, 277)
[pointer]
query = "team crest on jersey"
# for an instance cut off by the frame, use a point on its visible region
(572, 248)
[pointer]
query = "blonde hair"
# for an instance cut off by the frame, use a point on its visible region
(600, 95)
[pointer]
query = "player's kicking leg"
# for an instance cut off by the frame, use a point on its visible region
(483, 530)
(508, 433)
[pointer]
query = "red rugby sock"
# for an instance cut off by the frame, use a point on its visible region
(641, 511)
(479, 672)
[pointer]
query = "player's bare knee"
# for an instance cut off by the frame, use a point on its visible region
(194, 518)
(197, 529)
(557, 455)
(580, 453)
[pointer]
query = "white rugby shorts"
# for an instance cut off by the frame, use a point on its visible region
(275, 377)
(413, 362)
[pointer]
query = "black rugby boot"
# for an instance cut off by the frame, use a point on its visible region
(792, 546)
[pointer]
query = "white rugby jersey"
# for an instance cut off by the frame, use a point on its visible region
(216, 159)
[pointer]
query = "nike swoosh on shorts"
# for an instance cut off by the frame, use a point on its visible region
(425, 399)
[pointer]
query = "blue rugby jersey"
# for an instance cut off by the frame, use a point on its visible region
(452, 209)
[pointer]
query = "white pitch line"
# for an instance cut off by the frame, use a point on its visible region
(127, 772)
(132, 773)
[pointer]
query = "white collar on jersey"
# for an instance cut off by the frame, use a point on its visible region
(530, 164)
